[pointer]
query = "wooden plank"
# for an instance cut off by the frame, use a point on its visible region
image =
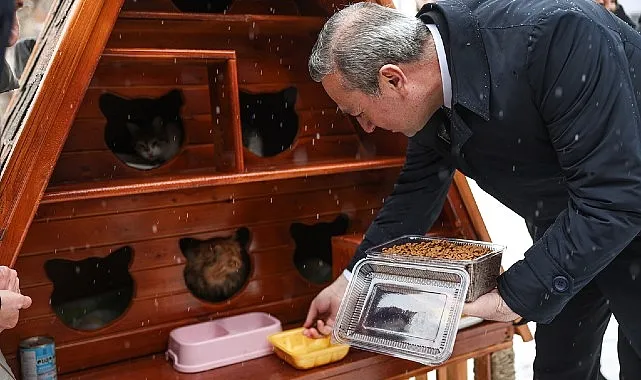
(148, 74)
(204, 178)
(167, 55)
(224, 193)
(222, 23)
(126, 227)
(483, 367)
(453, 371)
(89, 166)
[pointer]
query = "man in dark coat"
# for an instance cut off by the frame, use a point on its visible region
(538, 101)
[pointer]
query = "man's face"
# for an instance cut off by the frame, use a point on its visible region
(389, 111)
(15, 28)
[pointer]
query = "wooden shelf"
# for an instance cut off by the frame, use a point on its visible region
(190, 180)
(208, 22)
(167, 55)
(472, 342)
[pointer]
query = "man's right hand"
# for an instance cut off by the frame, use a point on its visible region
(322, 312)
(12, 303)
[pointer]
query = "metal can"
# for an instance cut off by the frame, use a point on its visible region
(38, 358)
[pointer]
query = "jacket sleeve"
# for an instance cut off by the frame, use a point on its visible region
(581, 82)
(417, 198)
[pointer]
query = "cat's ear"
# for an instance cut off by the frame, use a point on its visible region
(243, 236)
(296, 230)
(290, 94)
(187, 246)
(58, 269)
(113, 105)
(133, 128)
(173, 99)
(120, 258)
(340, 224)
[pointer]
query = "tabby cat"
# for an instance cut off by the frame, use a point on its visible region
(216, 268)
(143, 132)
(313, 254)
(90, 293)
(269, 121)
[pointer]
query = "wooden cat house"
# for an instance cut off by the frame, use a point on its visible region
(80, 213)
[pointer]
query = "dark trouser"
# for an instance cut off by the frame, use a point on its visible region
(569, 348)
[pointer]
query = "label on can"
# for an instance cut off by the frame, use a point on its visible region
(38, 359)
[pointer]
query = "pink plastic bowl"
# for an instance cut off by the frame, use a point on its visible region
(221, 342)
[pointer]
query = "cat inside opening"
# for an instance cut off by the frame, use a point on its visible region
(217, 268)
(144, 133)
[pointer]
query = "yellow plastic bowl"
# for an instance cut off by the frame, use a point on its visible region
(304, 353)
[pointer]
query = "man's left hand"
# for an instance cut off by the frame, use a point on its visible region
(491, 307)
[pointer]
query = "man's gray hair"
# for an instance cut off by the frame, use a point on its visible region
(360, 39)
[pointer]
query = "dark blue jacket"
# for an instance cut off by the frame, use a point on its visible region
(546, 98)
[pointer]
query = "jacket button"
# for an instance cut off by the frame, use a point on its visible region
(561, 284)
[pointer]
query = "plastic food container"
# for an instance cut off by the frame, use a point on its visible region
(221, 342)
(407, 310)
(302, 352)
(483, 270)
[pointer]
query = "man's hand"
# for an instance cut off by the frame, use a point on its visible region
(12, 303)
(325, 306)
(491, 307)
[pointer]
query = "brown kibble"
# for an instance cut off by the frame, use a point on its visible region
(439, 249)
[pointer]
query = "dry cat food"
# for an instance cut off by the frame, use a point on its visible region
(439, 249)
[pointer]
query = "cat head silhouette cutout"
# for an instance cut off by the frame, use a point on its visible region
(95, 284)
(313, 254)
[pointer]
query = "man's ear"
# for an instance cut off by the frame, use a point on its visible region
(392, 77)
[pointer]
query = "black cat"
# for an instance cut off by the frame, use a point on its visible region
(202, 6)
(216, 268)
(143, 132)
(269, 121)
(313, 254)
(90, 293)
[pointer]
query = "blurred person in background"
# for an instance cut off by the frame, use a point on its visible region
(618, 10)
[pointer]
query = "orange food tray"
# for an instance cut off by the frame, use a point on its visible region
(302, 352)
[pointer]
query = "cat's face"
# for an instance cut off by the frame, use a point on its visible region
(150, 128)
(150, 138)
(216, 268)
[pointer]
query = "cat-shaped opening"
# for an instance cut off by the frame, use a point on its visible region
(313, 254)
(144, 133)
(269, 121)
(216, 268)
(90, 293)
(202, 6)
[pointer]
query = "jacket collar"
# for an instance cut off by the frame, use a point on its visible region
(467, 58)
